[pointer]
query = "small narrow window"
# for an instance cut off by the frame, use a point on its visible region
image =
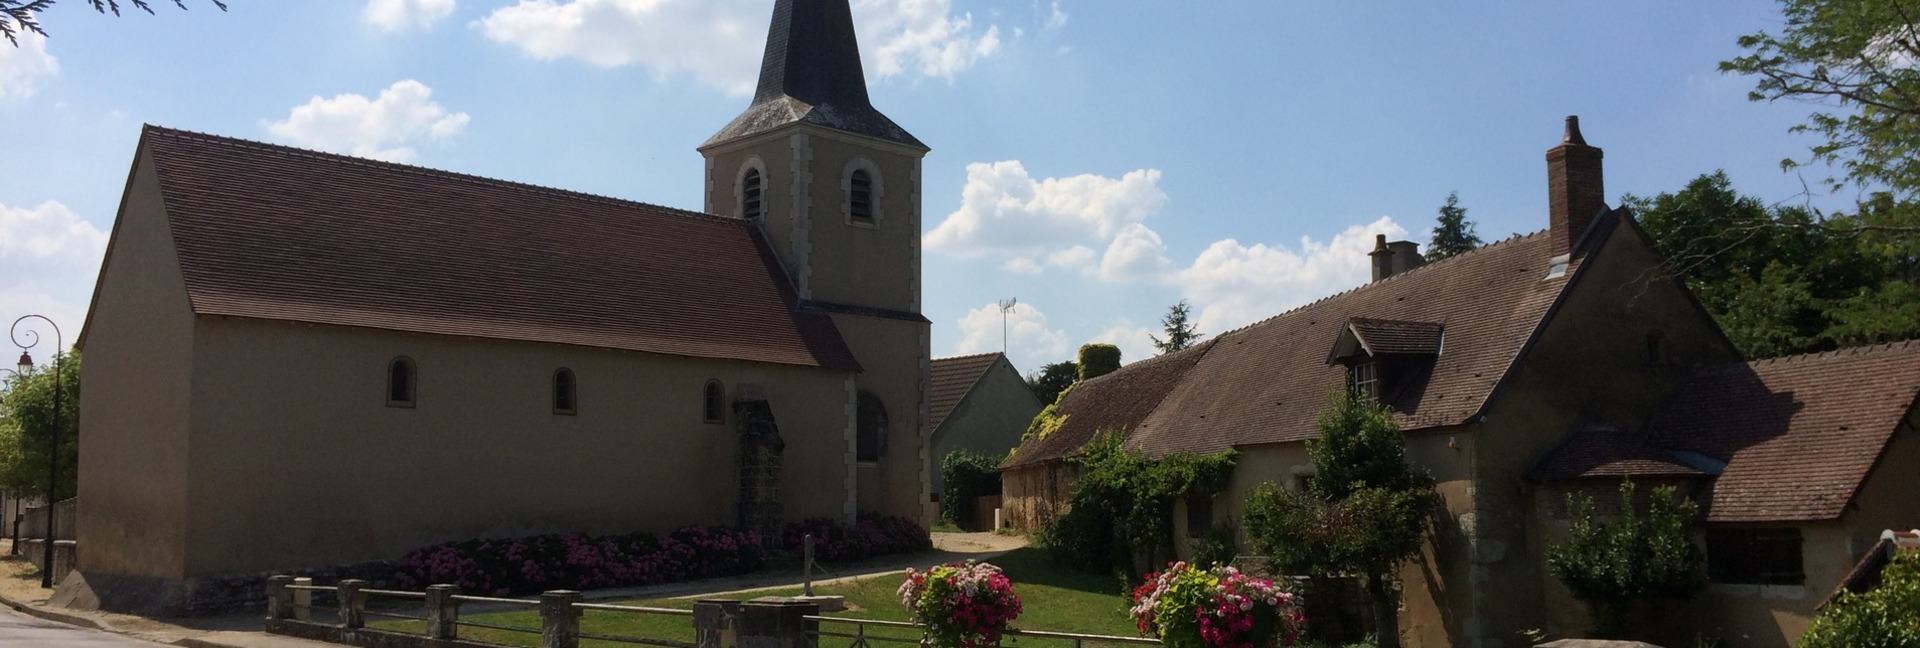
(870, 429)
(712, 399)
(860, 200)
(401, 379)
(1657, 349)
(1366, 379)
(750, 195)
(1749, 556)
(1199, 515)
(565, 392)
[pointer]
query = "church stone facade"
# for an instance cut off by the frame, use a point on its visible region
(299, 360)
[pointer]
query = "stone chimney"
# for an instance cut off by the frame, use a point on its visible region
(1390, 259)
(1575, 193)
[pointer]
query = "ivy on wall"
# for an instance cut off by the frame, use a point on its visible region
(1121, 513)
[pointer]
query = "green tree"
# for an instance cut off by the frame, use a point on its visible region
(964, 475)
(1098, 360)
(1180, 333)
(26, 420)
(1052, 379)
(1887, 616)
(1453, 234)
(1365, 511)
(1641, 556)
(17, 16)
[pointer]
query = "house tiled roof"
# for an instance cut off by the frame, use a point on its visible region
(1611, 453)
(1393, 337)
(273, 232)
(1798, 434)
(1115, 402)
(951, 379)
(1267, 383)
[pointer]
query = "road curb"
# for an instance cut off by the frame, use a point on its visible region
(50, 615)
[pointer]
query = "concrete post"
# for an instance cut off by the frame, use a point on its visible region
(303, 599)
(716, 623)
(443, 613)
(279, 598)
(353, 604)
(778, 623)
(559, 619)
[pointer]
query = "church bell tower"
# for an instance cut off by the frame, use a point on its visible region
(834, 186)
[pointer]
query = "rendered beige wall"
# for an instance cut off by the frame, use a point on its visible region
(134, 404)
(893, 354)
(297, 459)
(989, 419)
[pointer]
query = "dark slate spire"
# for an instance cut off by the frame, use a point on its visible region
(811, 73)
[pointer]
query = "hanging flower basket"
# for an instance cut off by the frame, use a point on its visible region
(962, 605)
(1188, 607)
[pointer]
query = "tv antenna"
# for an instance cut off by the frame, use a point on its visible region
(1006, 306)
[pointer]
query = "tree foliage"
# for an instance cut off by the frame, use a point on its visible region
(1453, 233)
(964, 475)
(1052, 379)
(17, 16)
(1121, 510)
(1365, 511)
(1642, 555)
(1181, 333)
(27, 418)
(1098, 360)
(1778, 280)
(1887, 616)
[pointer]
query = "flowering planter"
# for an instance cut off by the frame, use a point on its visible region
(1188, 607)
(962, 605)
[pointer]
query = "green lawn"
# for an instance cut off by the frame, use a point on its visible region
(1053, 599)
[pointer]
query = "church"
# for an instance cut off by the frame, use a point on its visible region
(298, 359)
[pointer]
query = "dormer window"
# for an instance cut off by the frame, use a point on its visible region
(860, 197)
(751, 207)
(1384, 357)
(1366, 379)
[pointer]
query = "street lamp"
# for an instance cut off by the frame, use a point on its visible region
(53, 435)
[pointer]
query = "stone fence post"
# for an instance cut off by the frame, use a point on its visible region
(353, 604)
(716, 623)
(559, 619)
(443, 613)
(279, 598)
(303, 599)
(778, 623)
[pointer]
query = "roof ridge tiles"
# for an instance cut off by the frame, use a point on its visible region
(972, 355)
(1865, 349)
(414, 169)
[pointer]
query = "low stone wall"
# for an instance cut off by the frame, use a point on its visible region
(66, 555)
(198, 596)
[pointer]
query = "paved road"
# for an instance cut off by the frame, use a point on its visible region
(17, 629)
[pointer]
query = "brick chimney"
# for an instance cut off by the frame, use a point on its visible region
(1390, 259)
(1382, 258)
(1575, 192)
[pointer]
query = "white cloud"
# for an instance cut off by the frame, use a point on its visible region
(398, 15)
(1136, 254)
(1004, 211)
(719, 42)
(1022, 265)
(1029, 342)
(1056, 18)
(1078, 257)
(384, 128)
(1233, 285)
(22, 67)
(49, 257)
(1135, 342)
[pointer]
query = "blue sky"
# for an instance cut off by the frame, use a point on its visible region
(1099, 160)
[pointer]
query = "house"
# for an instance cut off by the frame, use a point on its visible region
(1529, 368)
(979, 403)
(299, 359)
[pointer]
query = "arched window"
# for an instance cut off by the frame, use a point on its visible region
(870, 428)
(713, 402)
(751, 207)
(402, 379)
(860, 197)
(565, 392)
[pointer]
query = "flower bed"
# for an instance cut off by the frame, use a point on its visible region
(962, 605)
(1188, 607)
(580, 562)
(873, 535)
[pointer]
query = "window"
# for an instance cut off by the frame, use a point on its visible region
(750, 204)
(713, 402)
(1657, 354)
(860, 197)
(870, 429)
(1199, 515)
(1366, 379)
(1755, 556)
(401, 379)
(564, 389)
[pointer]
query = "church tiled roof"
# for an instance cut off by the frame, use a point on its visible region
(1798, 434)
(811, 74)
(951, 379)
(273, 232)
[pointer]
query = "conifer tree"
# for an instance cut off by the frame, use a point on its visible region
(1180, 332)
(1454, 233)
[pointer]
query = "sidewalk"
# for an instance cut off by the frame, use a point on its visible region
(20, 590)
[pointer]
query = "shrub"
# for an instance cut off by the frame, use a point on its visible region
(1122, 504)
(578, 562)
(967, 475)
(1098, 360)
(873, 534)
(1640, 556)
(1887, 616)
(962, 605)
